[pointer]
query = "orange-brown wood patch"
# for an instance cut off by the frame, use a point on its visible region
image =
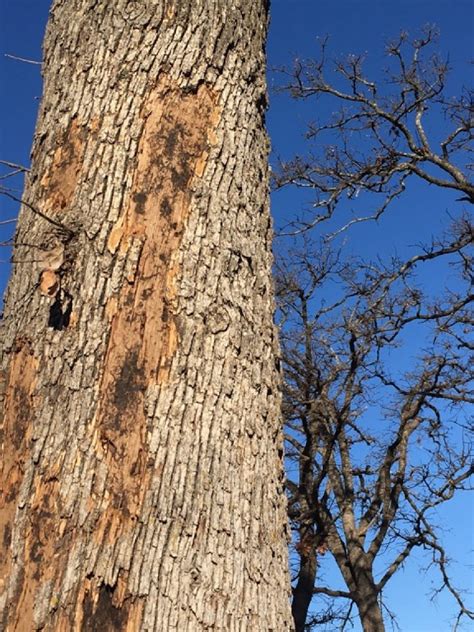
(60, 181)
(178, 132)
(15, 435)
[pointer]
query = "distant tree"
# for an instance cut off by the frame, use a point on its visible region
(374, 449)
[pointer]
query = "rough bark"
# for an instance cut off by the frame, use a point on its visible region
(141, 466)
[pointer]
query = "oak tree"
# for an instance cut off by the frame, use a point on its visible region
(377, 368)
(141, 474)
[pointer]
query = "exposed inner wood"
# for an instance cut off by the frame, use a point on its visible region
(16, 433)
(59, 182)
(144, 334)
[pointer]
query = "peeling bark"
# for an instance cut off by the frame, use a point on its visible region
(141, 470)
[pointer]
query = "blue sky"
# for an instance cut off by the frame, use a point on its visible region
(354, 26)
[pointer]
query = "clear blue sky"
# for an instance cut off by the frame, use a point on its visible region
(354, 26)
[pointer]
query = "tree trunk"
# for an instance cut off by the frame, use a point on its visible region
(355, 566)
(141, 465)
(368, 605)
(303, 590)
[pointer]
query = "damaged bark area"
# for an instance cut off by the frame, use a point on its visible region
(144, 334)
(15, 432)
(146, 491)
(60, 179)
(173, 150)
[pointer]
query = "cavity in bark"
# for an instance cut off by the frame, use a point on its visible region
(60, 311)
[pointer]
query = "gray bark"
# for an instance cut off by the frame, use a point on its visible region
(141, 466)
(364, 589)
(370, 612)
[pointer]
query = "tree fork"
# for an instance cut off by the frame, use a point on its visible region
(141, 472)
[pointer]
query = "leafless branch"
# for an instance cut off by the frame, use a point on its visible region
(23, 59)
(378, 137)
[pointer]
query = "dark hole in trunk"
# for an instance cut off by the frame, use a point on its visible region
(60, 311)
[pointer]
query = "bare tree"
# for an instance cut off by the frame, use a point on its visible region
(378, 132)
(375, 447)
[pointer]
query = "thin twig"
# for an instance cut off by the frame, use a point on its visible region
(13, 165)
(27, 61)
(35, 210)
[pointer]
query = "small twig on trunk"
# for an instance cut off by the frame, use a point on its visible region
(13, 165)
(35, 210)
(23, 59)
